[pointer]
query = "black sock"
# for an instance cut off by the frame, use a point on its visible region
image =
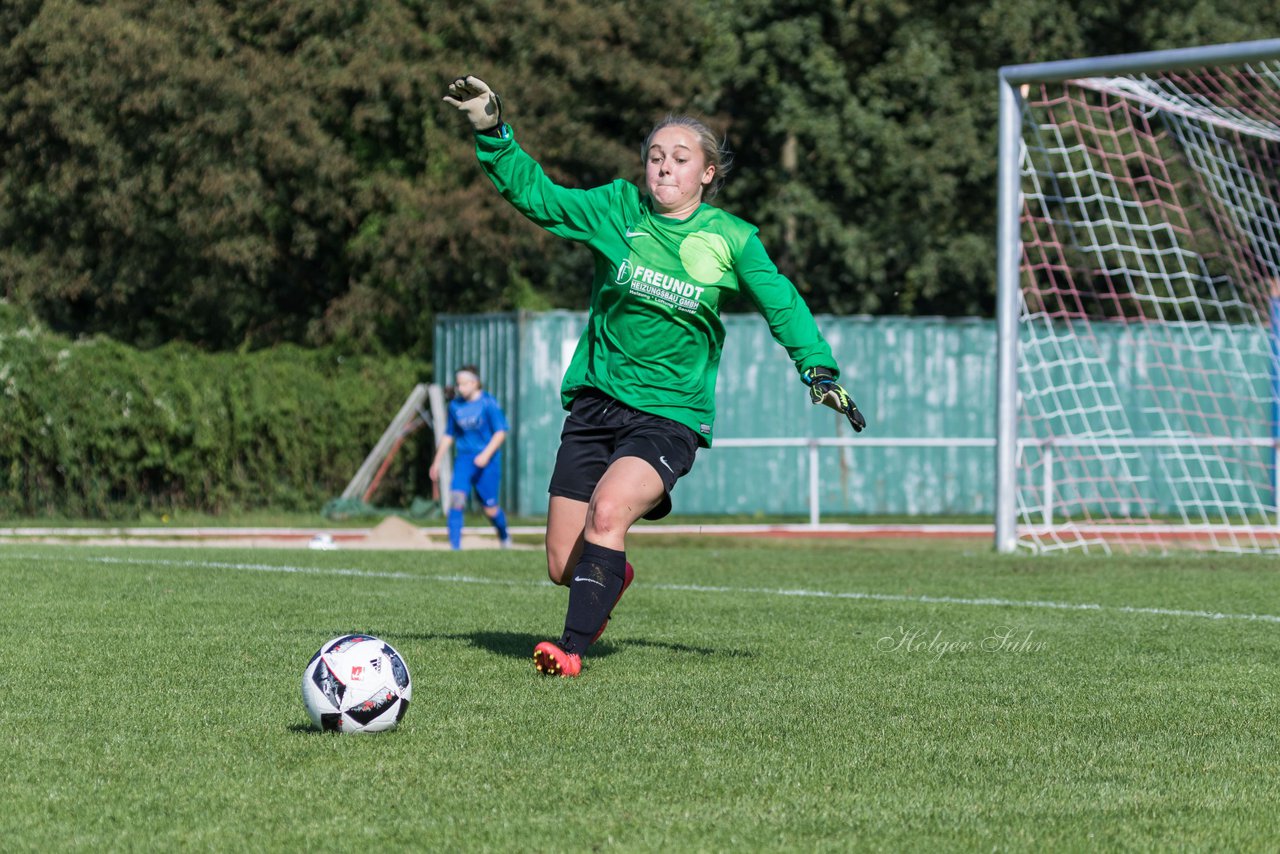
(596, 585)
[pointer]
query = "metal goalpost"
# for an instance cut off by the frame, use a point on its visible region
(1138, 274)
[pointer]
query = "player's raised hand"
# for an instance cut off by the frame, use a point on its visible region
(474, 97)
(824, 389)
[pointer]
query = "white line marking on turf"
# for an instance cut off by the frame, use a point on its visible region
(955, 600)
(303, 570)
(689, 588)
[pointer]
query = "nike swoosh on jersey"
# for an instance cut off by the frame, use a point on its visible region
(632, 233)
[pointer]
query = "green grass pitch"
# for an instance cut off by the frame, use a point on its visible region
(748, 695)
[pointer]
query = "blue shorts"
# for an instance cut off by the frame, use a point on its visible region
(485, 481)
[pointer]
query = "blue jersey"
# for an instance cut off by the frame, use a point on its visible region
(472, 423)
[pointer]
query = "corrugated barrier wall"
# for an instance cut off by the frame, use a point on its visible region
(913, 377)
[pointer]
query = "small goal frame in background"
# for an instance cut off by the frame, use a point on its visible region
(1138, 274)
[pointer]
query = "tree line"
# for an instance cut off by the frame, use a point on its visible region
(237, 174)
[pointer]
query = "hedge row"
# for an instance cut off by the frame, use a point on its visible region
(96, 429)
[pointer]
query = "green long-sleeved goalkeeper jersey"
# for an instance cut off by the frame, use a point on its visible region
(654, 336)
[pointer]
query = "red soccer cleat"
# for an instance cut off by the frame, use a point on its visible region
(551, 660)
(626, 582)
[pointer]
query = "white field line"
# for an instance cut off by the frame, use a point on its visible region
(689, 588)
(888, 529)
(169, 532)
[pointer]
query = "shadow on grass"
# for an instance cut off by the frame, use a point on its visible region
(520, 645)
(308, 729)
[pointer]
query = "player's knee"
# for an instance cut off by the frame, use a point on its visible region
(608, 516)
(555, 572)
(457, 501)
(560, 560)
(557, 567)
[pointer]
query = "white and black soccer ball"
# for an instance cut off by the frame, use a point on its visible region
(356, 683)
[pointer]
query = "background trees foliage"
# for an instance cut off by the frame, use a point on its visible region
(240, 173)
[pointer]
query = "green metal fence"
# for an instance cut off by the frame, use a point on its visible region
(915, 378)
(925, 380)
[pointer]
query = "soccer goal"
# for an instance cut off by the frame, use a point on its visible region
(1139, 301)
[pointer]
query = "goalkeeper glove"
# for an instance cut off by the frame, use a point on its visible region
(481, 104)
(823, 388)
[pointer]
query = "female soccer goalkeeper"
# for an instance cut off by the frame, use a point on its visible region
(640, 389)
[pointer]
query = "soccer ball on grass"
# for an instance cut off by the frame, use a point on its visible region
(356, 683)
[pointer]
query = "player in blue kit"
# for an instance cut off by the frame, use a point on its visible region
(478, 427)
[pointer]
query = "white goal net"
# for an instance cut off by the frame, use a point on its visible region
(1140, 301)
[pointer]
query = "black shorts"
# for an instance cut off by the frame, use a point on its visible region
(600, 430)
